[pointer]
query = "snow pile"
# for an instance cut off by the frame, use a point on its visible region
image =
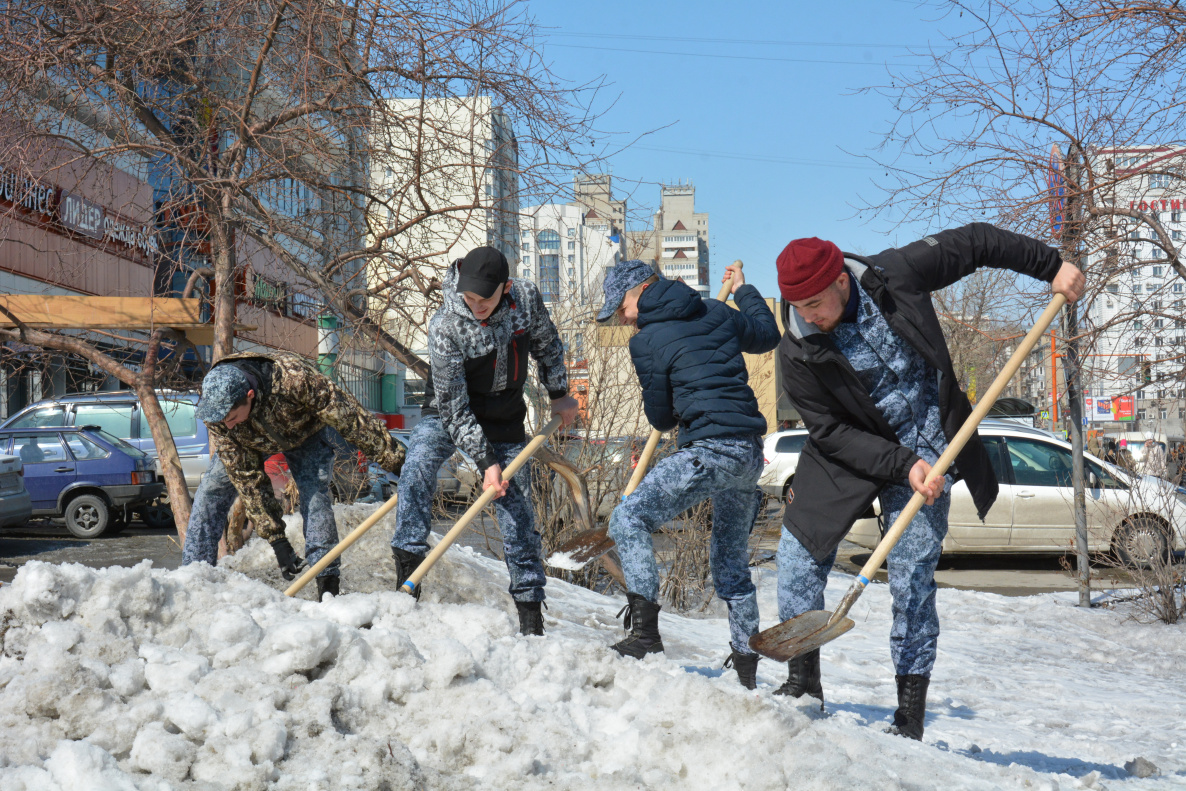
(209, 678)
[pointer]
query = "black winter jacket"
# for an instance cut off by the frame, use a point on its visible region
(688, 357)
(852, 452)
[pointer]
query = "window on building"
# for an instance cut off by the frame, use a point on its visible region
(1159, 181)
(1138, 324)
(1157, 340)
(1156, 305)
(1176, 236)
(1150, 287)
(1134, 235)
(1164, 414)
(571, 273)
(1157, 270)
(572, 245)
(547, 239)
(1176, 288)
(1140, 414)
(1175, 216)
(572, 231)
(526, 246)
(527, 260)
(549, 274)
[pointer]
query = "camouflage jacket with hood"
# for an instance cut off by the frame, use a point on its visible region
(293, 402)
(479, 368)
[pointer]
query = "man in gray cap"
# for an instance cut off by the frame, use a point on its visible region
(479, 342)
(688, 356)
(256, 405)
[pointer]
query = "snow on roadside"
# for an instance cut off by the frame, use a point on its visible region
(212, 679)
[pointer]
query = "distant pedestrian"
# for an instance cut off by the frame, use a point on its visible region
(1153, 458)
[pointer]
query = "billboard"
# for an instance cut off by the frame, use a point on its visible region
(1105, 409)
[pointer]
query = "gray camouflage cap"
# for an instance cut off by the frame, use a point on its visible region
(620, 279)
(223, 387)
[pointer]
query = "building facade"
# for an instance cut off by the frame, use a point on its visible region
(678, 242)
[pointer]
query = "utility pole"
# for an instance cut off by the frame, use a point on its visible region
(1072, 253)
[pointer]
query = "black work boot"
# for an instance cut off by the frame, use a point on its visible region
(746, 666)
(642, 620)
(912, 707)
(328, 585)
(803, 678)
(531, 617)
(405, 563)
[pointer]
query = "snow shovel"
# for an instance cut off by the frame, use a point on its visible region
(485, 499)
(342, 546)
(811, 630)
(573, 554)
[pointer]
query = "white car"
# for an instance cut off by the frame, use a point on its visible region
(781, 449)
(1140, 518)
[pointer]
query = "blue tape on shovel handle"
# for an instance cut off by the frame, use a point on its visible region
(408, 587)
(861, 578)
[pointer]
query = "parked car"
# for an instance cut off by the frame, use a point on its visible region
(82, 474)
(457, 478)
(1139, 518)
(15, 505)
(781, 450)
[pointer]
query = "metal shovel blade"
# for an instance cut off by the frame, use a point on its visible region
(799, 635)
(581, 548)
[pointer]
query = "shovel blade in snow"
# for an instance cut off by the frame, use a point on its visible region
(799, 635)
(581, 548)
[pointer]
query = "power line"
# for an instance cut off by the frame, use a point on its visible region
(754, 42)
(725, 57)
(755, 158)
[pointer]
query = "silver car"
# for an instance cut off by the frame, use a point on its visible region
(1139, 518)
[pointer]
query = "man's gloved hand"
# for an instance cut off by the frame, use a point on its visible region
(289, 561)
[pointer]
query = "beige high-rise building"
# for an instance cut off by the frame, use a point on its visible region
(678, 242)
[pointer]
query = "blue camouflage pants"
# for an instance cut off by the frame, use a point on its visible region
(725, 469)
(312, 467)
(914, 635)
(428, 448)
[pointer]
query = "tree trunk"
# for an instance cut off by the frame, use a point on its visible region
(224, 289)
(179, 501)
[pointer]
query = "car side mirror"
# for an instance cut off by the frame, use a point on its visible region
(1093, 481)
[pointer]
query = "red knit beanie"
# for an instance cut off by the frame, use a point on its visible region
(808, 266)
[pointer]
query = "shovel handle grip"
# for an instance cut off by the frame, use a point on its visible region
(485, 499)
(953, 449)
(723, 294)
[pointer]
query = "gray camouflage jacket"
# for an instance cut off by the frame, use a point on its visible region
(479, 368)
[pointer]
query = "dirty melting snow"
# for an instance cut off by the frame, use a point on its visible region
(203, 678)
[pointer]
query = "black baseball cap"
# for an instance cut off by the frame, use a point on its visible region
(482, 271)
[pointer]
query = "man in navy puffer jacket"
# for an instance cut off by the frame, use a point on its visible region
(688, 356)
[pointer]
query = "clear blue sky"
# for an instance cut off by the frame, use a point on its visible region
(759, 111)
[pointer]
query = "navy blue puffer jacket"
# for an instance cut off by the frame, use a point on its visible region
(688, 357)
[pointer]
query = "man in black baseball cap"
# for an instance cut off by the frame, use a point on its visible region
(479, 342)
(482, 271)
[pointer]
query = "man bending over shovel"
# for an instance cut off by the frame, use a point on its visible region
(255, 405)
(478, 343)
(865, 363)
(687, 354)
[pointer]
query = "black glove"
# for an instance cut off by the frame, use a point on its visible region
(290, 562)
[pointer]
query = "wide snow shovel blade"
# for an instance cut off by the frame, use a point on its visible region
(810, 630)
(485, 499)
(591, 544)
(342, 546)
(799, 635)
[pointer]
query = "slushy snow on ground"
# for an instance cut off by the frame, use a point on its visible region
(201, 678)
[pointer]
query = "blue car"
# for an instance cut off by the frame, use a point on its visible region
(82, 474)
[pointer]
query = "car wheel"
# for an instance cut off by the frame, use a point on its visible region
(87, 516)
(157, 515)
(1141, 543)
(786, 490)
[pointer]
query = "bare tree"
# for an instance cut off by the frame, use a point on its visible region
(260, 125)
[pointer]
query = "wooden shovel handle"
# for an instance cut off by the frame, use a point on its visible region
(955, 446)
(723, 294)
(486, 497)
(644, 461)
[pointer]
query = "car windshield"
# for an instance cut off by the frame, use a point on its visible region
(131, 450)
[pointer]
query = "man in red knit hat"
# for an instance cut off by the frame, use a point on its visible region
(865, 363)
